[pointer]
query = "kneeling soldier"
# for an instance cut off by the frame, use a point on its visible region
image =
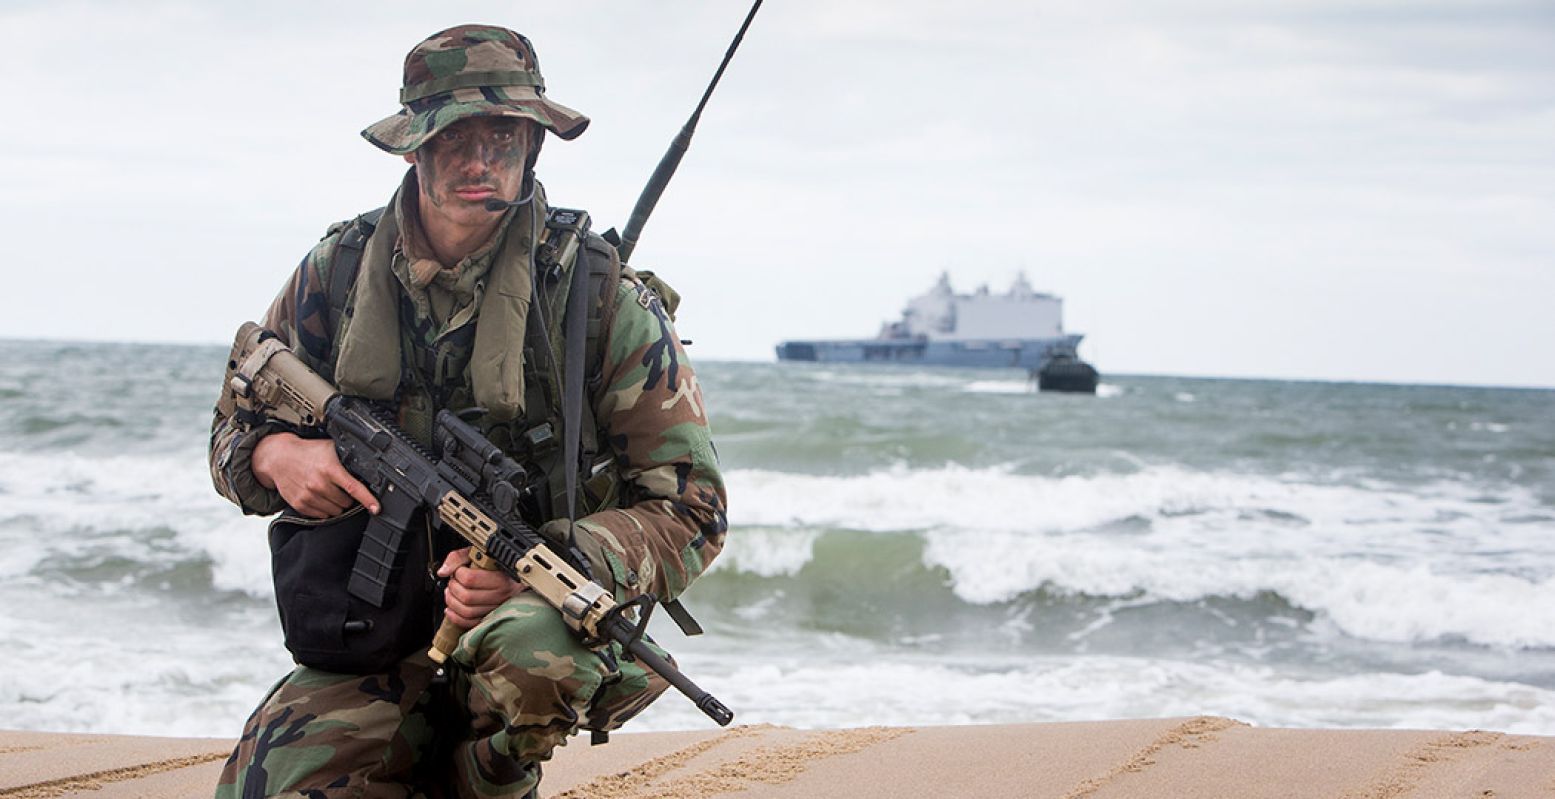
(447, 298)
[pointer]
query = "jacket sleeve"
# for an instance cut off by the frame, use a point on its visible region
(672, 521)
(297, 316)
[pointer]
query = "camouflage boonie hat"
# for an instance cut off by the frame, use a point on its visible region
(470, 71)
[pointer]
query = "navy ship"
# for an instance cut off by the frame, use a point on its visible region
(1020, 328)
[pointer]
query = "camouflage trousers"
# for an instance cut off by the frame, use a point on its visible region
(522, 684)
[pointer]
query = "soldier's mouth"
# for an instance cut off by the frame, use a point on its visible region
(475, 194)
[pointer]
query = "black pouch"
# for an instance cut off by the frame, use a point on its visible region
(328, 628)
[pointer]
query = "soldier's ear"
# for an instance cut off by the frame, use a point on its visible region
(410, 158)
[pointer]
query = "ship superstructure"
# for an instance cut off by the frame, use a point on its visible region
(1021, 328)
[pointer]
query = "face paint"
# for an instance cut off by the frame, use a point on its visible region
(469, 162)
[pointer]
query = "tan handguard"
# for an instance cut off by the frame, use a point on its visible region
(266, 379)
(583, 603)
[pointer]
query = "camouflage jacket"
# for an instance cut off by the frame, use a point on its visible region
(669, 522)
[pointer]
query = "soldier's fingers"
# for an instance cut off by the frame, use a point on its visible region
(356, 489)
(486, 579)
(464, 612)
(325, 492)
(460, 621)
(456, 609)
(473, 596)
(455, 601)
(455, 594)
(484, 600)
(315, 507)
(455, 559)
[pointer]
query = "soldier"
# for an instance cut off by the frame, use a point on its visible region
(449, 309)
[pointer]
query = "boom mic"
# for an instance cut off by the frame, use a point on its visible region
(495, 205)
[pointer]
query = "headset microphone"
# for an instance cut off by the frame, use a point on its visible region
(495, 205)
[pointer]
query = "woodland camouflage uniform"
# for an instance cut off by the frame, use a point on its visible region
(522, 683)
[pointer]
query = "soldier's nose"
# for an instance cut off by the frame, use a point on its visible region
(480, 151)
(474, 159)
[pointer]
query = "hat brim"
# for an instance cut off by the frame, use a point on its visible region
(407, 130)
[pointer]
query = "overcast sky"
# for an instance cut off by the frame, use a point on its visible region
(1358, 190)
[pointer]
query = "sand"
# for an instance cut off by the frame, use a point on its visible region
(1207, 757)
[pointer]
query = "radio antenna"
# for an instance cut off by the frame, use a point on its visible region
(671, 160)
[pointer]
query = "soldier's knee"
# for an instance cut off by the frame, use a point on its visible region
(523, 622)
(526, 641)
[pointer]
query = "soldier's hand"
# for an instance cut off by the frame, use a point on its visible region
(473, 592)
(309, 476)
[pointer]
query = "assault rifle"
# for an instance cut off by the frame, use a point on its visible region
(473, 489)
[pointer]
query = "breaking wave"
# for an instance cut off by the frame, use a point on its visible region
(1380, 562)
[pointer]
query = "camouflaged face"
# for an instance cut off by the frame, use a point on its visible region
(468, 71)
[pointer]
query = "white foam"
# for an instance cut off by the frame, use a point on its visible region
(1378, 601)
(903, 690)
(1377, 561)
(894, 378)
(768, 552)
(1383, 562)
(131, 667)
(66, 489)
(240, 554)
(998, 499)
(1000, 387)
(63, 503)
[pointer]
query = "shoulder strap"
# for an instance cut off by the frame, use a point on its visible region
(598, 268)
(572, 381)
(348, 259)
(605, 270)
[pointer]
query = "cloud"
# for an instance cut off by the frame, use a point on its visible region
(1206, 182)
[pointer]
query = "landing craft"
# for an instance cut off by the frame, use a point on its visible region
(1020, 328)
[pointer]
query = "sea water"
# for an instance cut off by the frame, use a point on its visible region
(907, 546)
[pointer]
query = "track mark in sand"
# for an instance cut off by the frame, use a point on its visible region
(770, 765)
(97, 779)
(14, 750)
(1404, 778)
(1191, 734)
(622, 784)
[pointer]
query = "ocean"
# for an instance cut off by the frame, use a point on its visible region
(907, 547)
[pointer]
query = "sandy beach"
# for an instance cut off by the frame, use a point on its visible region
(1205, 756)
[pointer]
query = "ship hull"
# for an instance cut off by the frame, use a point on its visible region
(1021, 353)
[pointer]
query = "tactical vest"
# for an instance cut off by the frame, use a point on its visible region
(435, 378)
(563, 360)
